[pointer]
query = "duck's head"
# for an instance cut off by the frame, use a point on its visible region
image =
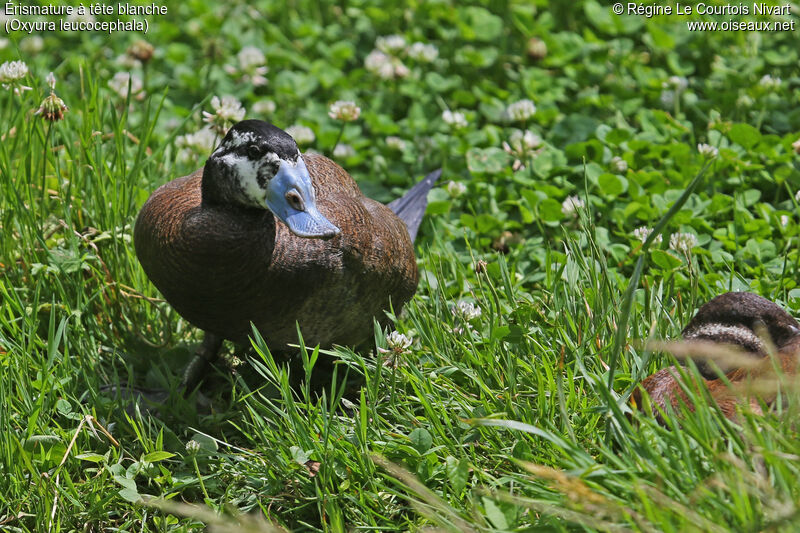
(259, 165)
(740, 318)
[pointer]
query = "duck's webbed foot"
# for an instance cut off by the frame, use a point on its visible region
(207, 353)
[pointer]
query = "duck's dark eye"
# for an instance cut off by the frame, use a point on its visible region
(294, 200)
(255, 151)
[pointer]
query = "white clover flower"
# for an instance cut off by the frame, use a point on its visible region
(397, 342)
(227, 111)
(784, 220)
(395, 143)
(391, 44)
(52, 108)
(264, 107)
(228, 108)
(127, 62)
(642, 233)
(192, 447)
(537, 48)
(344, 110)
(522, 145)
(400, 70)
(252, 66)
(203, 140)
(456, 188)
(384, 66)
(466, 310)
(380, 64)
(667, 98)
(678, 83)
(343, 151)
(706, 150)
(426, 53)
(396, 345)
(682, 242)
(200, 143)
(796, 146)
(570, 206)
(301, 134)
(744, 101)
(256, 77)
(618, 164)
(32, 45)
(456, 119)
(13, 71)
(119, 84)
(251, 57)
(769, 82)
(521, 111)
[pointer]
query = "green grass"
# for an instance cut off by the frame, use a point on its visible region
(514, 420)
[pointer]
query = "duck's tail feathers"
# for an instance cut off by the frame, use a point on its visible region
(411, 207)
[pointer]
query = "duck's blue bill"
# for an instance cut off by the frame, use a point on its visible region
(302, 217)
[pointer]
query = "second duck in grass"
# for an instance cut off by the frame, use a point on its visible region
(267, 235)
(751, 324)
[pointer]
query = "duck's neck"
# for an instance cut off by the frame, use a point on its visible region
(220, 192)
(212, 190)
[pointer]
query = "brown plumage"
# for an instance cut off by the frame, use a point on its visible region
(742, 320)
(223, 264)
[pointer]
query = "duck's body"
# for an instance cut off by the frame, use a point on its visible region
(222, 267)
(742, 320)
(266, 236)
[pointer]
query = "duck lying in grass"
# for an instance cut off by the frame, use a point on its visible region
(267, 235)
(745, 321)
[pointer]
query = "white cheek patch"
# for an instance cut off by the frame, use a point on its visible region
(722, 331)
(246, 171)
(271, 157)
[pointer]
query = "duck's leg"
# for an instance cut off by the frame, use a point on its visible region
(207, 353)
